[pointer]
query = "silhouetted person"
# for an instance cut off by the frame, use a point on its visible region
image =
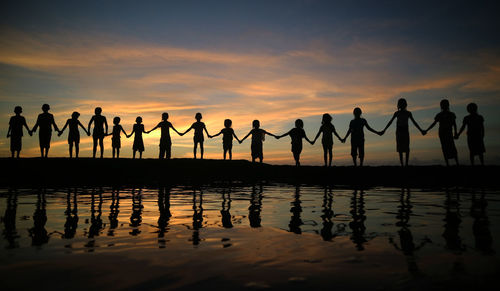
(227, 138)
(45, 121)
(100, 130)
(452, 223)
(197, 218)
(296, 134)
(255, 207)
(327, 216)
(296, 210)
(402, 131)
(406, 242)
(138, 129)
(475, 133)
(9, 221)
(74, 133)
(116, 139)
(328, 130)
(136, 216)
(198, 138)
(165, 140)
(226, 207)
(96, 224)
(358, 136)
(447, 124)
(114, 210)
(71, 213)
(164, 209)
(258, 136)
(15, 131)
(357, 224)
(38, 233)
(481, 225)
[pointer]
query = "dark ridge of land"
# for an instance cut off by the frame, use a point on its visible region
(53, 172)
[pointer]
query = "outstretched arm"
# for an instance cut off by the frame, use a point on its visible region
(206, 131)
(347, 134)
(81, 125)
(132, 132)
(64, 127)
(388, 124)
(217, 134)
(371, 129)
(154, 128)
(54, 124)
(26, 126)
(265, 132)
(280, 136)
(175, 130)
(187, 130)
(305, 136)
(123, 130)
(431, 126)
(317, 135)
(416, 124)
(249, 133)
(336, 134)
(234, 134)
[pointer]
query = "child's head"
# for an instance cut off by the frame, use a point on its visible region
(472, 108)
(357, 112)
(116, 120)
(228, 123)
(445, 104)
(299, 123)
(164, 116)
(45, 107)
(18, 110)
(138, 120)
(75, 115)
(256, 124)
(98, 111)
(402, 104)
(198, 116)
(327, 118)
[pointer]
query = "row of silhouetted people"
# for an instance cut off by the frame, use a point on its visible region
(446, 119)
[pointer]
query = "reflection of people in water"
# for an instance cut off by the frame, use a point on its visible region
(357, 224)
(71, 213)
(114, 210)
(38, 233)
(197, 218)
(9, 220)
(255, 207)
(452, 223)
(407, 246)
(96, 224)
(481, 225)
(164, 218)
(226, 207)
(136, 216)
(295, 220)
(327, 216)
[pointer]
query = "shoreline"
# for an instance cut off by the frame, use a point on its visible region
(52, 172)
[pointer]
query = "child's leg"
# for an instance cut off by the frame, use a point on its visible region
(225, 151)
(446, 160)
(230, 154)
(71, 150)
(195, 148)
(140, 154)
(325, 155)
(77, 149)
(481, 159)
(117, 153)
(94, 148)
(407, 157)
(18, 153)
(361, 154)
(296, 156)
(101, 145)
(46, 152)
(401, 158)
(133, 155)
(201, 149)
(41, 151)
(13, 153)
(354, 153)
(114, 151)
(456, 161)
(162, 153)
(168, 151)
(330, 156)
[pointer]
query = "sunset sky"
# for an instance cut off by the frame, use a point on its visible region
(275, 61)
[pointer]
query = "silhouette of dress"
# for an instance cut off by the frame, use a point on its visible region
(257, 139)
(16, 132)
(475, 127)
(116, 138)
(357, 136)
(297, 134)
(138, 142)
(402, 131)
(198, 127)
(45, 121)
(446, 120)
(74, 133)
(227, 138)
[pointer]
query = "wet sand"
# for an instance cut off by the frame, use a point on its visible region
(85, 171)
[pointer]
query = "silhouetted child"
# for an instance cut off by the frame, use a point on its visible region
(45, 121)
(116, 140)
(447, 124)
(198, 138)
(296, 134)
(328, 130)
(402, 130)
(138, 129)
(258, 136)
(227, 138)
(74, 133)
(15, 131)
(165, 140)
(475, 133)
(358, 136)
(99, 133)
